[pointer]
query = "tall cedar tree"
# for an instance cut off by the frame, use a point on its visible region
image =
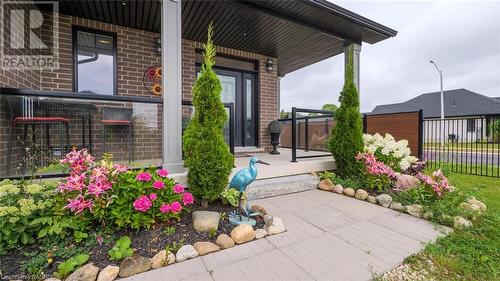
(206, 155)
(346, 139)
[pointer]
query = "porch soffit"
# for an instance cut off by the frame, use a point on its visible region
(298, 33)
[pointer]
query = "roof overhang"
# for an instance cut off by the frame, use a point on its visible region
(298, 33)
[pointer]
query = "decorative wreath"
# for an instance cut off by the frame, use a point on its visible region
(152, 80)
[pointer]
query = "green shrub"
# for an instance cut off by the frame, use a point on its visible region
(68, 266)
(346, 139)
(353, 183)
(231, 196)
(206, 155)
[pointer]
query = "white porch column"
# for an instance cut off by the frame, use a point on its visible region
(356, 49)
(171, 59)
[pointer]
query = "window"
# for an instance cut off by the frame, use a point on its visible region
(471, 125)
(94, 62)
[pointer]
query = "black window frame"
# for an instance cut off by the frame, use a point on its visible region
(471, 125)
(74, 32)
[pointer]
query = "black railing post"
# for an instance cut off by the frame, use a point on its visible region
(306, 134)
(294, 134)
(365, 123)
(420, 134)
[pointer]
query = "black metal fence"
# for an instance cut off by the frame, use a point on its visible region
(463, 145)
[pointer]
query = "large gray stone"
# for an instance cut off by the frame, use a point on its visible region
(338, 188)
(260, 233)
(404, 182)
(384, 200)
(205, 221)
(87, 272)
(371, 199)
(397, 206)
(134, 265)
(109, 273)
(276, 227)
(460, 223)
(159, 260)
(186, 252)
(243, 233)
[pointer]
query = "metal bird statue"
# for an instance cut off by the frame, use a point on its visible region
(241, 180)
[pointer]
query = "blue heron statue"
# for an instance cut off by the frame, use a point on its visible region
(240, 181)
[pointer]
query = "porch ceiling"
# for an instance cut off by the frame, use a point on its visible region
(298, 33)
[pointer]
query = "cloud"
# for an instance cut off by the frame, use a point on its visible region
(462, 37)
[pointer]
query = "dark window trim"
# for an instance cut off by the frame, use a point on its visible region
(74, 31)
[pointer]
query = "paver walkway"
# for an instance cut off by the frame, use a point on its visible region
(329, 237)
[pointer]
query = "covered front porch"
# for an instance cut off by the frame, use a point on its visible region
(45, 113)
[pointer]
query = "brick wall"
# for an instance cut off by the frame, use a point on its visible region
(135, 53)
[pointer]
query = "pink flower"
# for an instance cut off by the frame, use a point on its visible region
(176, 207)
(165, 208)
(78, 204)
(143, 176)
(142, 204)
(118, 169)
(178, 188)
(99, 187)
(73, 182)
(187, 198)
(162, 173)
(152, 196)
(158, 185)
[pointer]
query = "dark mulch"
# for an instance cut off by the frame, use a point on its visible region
(145, 242)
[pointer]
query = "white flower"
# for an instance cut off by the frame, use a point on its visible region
(404, 164)
(385, 151)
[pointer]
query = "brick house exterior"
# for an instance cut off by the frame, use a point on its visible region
(134, 55)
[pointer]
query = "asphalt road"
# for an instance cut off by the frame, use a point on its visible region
(470, 158)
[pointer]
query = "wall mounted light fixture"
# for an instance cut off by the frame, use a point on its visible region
(269, 65)
(158, 45)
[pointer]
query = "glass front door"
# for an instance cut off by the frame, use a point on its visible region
(239, 88)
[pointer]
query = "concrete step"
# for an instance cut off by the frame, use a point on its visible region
(281, 186)
(245, 151)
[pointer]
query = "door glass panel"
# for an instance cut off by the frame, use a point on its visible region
(228, 94)
(249, 120)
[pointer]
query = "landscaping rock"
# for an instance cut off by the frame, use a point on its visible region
(460, 223)
(372, 199)
(277, 227)
(326, 185)
(268, 220)
(205, 221)
(474, 205)
(338, 188)
(51, 279)
(384, 200)
(133, 265)
(361, 194)
(397, 206)
(259, 209)
(404, 182)
(204, 248)
(109, 273)
(415, 210)
(186, 252)
(87, 272)
(224, 241)
(428, 215)
(170, 258)
(349, 191)
(260, 233)
(243, 233)
(159, 260)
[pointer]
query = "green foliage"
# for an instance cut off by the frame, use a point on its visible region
(231, 196)
(284, 114)
(377, 182)
(494, 130)
(353, 183)
(169, 230)
(30, 211)
(326, 175)
(346, 139)
(174, 247)
(121, 249)
(120, 211)
(330, 106)
(65, 268)
(212, 233)
(207, 156)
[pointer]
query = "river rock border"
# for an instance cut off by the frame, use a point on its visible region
(416, 210)
(136, 264)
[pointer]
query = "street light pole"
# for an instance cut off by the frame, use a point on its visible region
(442, 97)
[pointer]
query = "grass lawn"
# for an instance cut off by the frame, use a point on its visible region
(474, 253)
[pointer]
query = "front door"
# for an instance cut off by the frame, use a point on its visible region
(239, 88)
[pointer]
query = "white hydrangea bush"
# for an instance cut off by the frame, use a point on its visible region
(387, 149)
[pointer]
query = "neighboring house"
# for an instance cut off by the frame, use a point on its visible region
(104, 96)
(467, 114)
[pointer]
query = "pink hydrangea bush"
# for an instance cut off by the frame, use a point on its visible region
(377, 174)
(111, 194)
(436, 181)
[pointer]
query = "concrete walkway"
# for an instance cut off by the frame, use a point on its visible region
(329, 237)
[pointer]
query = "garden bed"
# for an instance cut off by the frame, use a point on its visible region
(146, 243)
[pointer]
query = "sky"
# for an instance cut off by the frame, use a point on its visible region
(462, 37)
